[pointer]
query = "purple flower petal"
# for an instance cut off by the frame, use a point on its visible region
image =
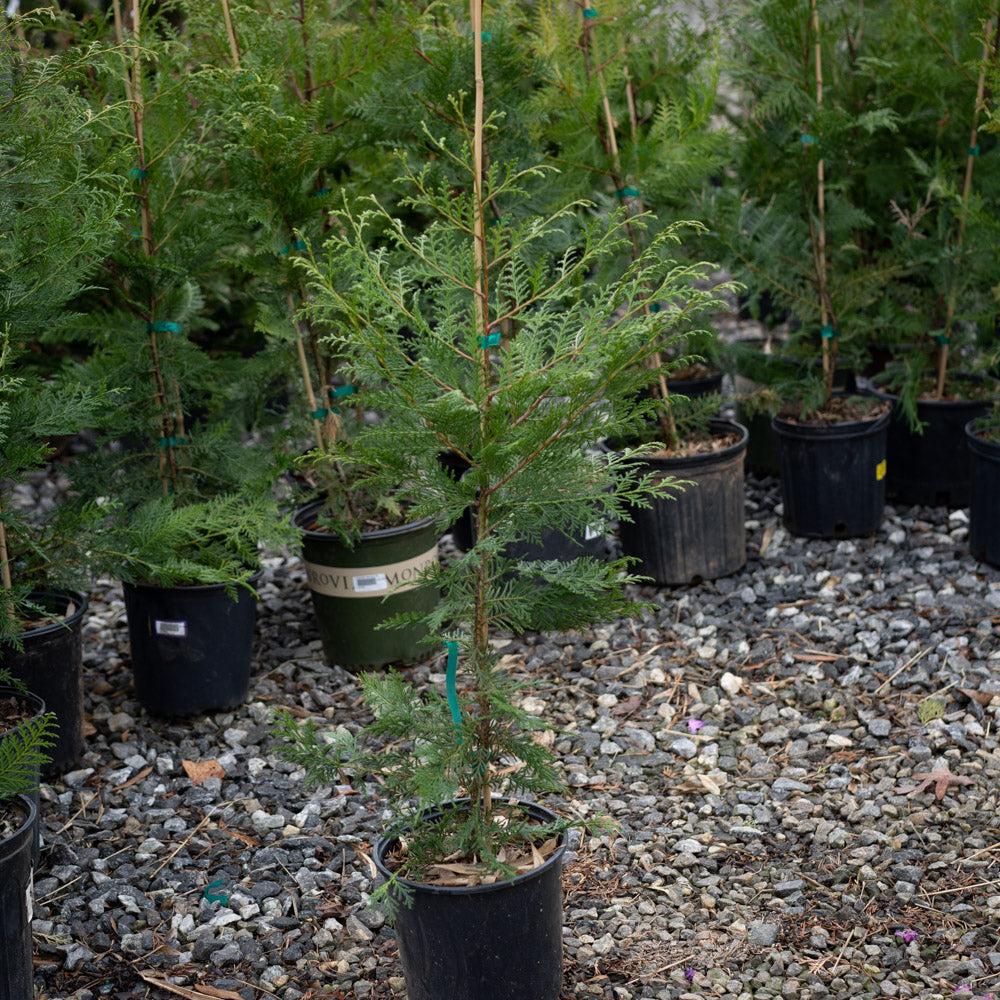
(694, 725)
(689, 971)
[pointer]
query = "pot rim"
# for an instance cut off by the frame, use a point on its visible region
(195, 588)
(81, 600)
(26, 827)
(718, 425)
(400, 529)
(972, 429)
(539, 811)
(843, 428)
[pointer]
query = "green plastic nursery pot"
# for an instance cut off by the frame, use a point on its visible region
(699, 534)
(833, 476)
(984, 495)
(932, 468)
(483, 942)
(51, 666)
(17, 971)
(191, 646)
(355, 589)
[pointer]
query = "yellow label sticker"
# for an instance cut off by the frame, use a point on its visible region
(880, 470)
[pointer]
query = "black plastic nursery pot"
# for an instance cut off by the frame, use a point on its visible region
(16, 901)
(700, 385)
(833, 476)
(36, 706)
(483, 942)
(699, 534)
(762, 449)
(191, 646)
(932, 468)
(984, 495)
(51, 666)
(355, 589)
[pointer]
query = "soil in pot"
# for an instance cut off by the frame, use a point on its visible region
(51, 666)
(700, 534)
(18, 825)
(833, 467)
(483, 942)
(356, 589)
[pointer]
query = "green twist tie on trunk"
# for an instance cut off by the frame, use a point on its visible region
(320, 193)
(319, 414)
(491, 341)
(138, 173)
(486, 36)
(449, 686)
(171, 442)
(589, 12)
(828, 332)
(809, 140)
(341, 391)
(627, 193)
(297, 245)
(216, 897)
(942, 339)
(163, 326)
(973, 150)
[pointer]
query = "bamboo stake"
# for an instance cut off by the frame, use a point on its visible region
(829, 348)
(481, 791)
(970, 159)
(668, 427)
(234, 49)
(5, 558)
(169, 474)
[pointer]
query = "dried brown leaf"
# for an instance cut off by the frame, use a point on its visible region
(940, 779)
(201, 770)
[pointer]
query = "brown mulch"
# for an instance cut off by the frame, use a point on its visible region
(699, 444)
(839, 409)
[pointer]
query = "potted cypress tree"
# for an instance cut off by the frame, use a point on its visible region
(58, 212)
(466, 848)
(25, 737)
(944, 221)
(796, 227)
(180, 486)
(293, 145)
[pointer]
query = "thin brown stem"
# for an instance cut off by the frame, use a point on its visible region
(4, 558)
(234, 48)
(970, 161)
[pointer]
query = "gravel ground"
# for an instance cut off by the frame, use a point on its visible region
(757, 739)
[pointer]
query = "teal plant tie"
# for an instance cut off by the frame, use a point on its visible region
(491, 341)
(655, 307)
(973, 150)
(589, 12)
(829, 332)
(809, 140)
(163, 326)
(138, 173)
(320, 193)
(171, 442)
(449, 686)
(942, 339)
(297, 245)
(319, 414)
(136, 235)
(504, 220)
(213, 897)
(486, 36)
(341, 391)
(627, 193)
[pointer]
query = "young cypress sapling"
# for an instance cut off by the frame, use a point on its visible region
(522, 411)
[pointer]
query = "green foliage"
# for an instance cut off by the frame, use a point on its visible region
(519, 379)
(179, 488)
(22, 754)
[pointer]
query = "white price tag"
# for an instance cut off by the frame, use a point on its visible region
(177, 630)
(368, 584)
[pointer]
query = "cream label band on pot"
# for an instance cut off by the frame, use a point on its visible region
(369, 581)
